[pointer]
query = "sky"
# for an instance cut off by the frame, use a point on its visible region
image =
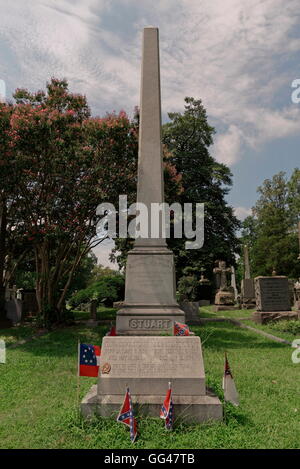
(239, 57)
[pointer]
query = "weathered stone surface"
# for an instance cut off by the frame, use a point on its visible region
(262, 317)
(191, 311)
(150, 272)
(224, 298)
(272, 294)
(147, 364)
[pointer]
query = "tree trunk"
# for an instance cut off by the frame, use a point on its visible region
(3, 224)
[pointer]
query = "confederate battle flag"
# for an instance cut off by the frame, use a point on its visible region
(167, 410)
(230, 392)
(126, 416)
(181, 329)
(88, 360)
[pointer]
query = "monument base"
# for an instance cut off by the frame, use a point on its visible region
(147, 365)
(190, 409)
(262, 317)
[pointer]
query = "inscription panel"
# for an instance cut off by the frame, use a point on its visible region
(272, 294)
(152, 356)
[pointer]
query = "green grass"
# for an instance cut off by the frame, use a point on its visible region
(207, 312)
(102, 313)
(277, 331)
(38, 388)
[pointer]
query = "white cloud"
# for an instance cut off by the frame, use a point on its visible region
(237, 56)
(242, 212)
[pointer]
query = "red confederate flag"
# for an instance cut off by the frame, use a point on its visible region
(126, 416)
(167, 410)
(88, 360)
(181, 329)
(112, 331)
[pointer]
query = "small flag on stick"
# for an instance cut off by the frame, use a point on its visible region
(88, 360)
(167, 410)
(181, 329)
(126, 416)
(230, 392)
(112, 331)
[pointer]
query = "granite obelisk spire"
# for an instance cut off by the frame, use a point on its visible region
(150, 305)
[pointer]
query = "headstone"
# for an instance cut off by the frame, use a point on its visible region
(191, 310)
(14, 310)
(272, 299)
(224, 299)
(297, 294)
(205, 291)
(233, 283)
(247, 284)
(246, 262)
(147, 364)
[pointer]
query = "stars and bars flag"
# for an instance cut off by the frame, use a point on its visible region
(112, 331)
(88, 360)
(181, 329)
(230, 391)
(126, 416)
(167, 410)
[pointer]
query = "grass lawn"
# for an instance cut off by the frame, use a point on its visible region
(102, 313)
(38, 389)
(207, 312)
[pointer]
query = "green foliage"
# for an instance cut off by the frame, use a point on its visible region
(195, 177)
(108, 289)
(271, 233)
(188, 288)
(65, 163)
(290, 326)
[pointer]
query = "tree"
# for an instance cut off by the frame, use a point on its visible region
(271, 232)
(67, 163)
(193, 175)
(188, 137)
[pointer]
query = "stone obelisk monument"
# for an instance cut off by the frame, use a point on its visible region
(141, 356)
(150, 303)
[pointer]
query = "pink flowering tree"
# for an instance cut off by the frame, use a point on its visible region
(66, 163)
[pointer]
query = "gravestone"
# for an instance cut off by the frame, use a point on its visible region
(147, 364)
(191, 311)
(272, 299)
(14, 310)
(224, 299)
(205, 291)
(247, 284)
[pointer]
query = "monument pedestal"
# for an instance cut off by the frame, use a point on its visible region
(151, 363)
(262, 317)
(150, 305)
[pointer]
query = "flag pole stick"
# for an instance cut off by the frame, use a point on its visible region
(224, 381)
(78, 380)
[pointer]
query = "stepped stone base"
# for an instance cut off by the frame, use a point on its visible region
(146, 365)
(262, 317)
(190, 409)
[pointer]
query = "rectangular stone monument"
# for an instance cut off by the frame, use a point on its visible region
(247, 284)
(151, 363)
(147, 364)
(272, 299)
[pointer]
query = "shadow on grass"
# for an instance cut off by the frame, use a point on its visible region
(64, 342)
(225, 335)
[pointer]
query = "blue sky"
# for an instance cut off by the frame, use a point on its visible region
(239, 57)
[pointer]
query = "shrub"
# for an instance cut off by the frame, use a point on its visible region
(108, 289)
(292, 326)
